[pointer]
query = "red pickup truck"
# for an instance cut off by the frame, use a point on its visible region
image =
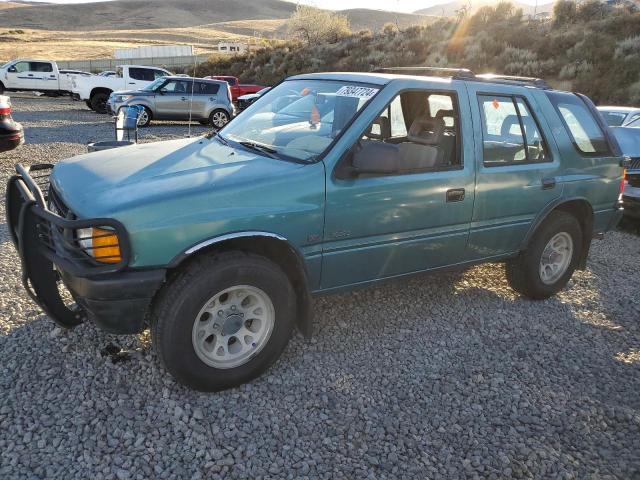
(237, 89)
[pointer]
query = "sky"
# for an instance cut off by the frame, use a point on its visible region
(397, 5)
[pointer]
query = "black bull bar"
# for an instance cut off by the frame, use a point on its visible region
(46, 242)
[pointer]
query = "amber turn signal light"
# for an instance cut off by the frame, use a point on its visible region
(106, 248)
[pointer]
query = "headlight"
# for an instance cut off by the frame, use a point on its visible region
(100, 243)
(122, 98)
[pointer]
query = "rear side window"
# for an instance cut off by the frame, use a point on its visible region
(41, 67)
(510, 132)
(587, 136)
(143, 74)
(207, 88)
(613, 119)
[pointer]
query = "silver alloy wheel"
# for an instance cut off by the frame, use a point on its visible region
(143, 118)
(556, 258)
(233, 326)
(219, 119)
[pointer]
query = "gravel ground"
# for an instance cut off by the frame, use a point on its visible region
(436, 377)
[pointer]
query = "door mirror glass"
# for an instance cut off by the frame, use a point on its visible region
(12, 69)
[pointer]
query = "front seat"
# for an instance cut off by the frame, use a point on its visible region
(423, 151)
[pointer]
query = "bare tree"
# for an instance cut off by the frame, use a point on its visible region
(313, 25)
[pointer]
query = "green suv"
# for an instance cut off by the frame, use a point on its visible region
(329, 181)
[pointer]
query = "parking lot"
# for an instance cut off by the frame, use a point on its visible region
(449, 376)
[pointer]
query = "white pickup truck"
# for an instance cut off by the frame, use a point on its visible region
(33, 75)
(95, 90)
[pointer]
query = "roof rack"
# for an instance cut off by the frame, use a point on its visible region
(513, 79)
(466, 74)
(457, 73)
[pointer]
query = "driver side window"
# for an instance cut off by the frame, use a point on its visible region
(417, 131)
(21, 67)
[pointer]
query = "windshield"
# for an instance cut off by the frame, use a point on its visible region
(155, 84)
(299, 119)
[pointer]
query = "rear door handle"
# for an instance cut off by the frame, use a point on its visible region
(184, 99)
(548, 183)
(455, 195)
(29, 74)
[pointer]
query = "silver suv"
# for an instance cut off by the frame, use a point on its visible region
(171, 98)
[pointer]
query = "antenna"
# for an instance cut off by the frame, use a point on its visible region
(193, 82)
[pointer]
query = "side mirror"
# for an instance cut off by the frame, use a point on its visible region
(161, 91)
(12, 69)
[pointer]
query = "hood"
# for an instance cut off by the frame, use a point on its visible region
(628, 139)
(100, 184)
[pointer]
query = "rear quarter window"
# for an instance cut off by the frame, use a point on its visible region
(585, 132)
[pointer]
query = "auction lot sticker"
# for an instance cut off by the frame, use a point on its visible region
(356, 92)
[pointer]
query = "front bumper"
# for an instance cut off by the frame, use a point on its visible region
(118, 302)
(114, 297)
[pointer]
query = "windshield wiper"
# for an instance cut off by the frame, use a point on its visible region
(216, 133)
(264, 149)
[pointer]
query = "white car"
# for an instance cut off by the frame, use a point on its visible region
(95, 90)
(31, 75)
(618, 116)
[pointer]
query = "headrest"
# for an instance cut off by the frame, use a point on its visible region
(445, 114)
(426, 130)
(509, 122)
(384, 126)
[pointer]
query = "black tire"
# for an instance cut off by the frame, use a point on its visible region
(1, 88)
(217, 114)
(99, 102)
(523, 272)
(178, 305)
(88, 103)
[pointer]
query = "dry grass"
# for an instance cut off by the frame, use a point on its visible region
(102, 43)
(7, 5)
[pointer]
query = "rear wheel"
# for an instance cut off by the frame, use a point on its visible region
(219, 118)
(550, 259)
(99, 102)
(223, 320)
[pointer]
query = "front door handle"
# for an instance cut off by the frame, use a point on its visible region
(548, 183)
(455, 195)
(184, 99)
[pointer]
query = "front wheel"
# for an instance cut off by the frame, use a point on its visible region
(144, 119)
(550, 259)
(219, 118)
(223, 320)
